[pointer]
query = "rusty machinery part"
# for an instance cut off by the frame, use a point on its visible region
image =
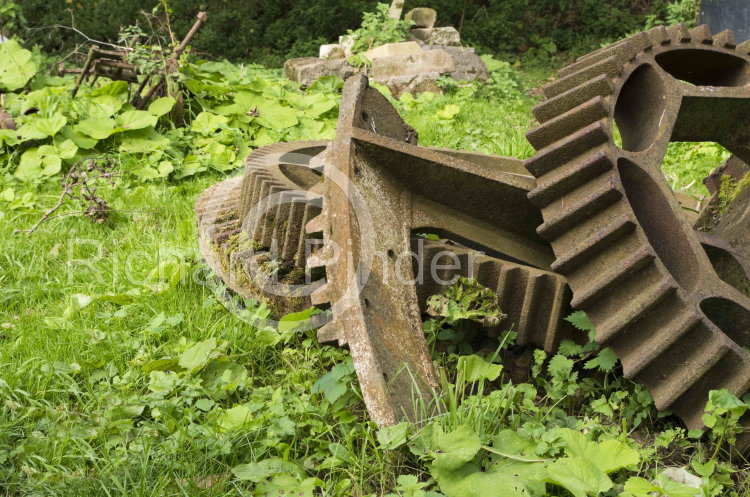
(634, 265)
(533, 299)
(379, 189)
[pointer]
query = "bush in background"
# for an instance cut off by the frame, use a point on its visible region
(270, 31)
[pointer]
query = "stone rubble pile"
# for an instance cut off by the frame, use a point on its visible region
(406, 67)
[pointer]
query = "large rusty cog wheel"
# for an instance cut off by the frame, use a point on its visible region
(635, 266)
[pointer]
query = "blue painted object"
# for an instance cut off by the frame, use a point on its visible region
(727, 14)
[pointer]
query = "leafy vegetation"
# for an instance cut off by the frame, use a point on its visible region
(377, 29)
(125, 374)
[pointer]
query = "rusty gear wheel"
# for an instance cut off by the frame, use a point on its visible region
(634, 264)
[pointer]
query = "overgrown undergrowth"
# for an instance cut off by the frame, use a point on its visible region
(121, 373)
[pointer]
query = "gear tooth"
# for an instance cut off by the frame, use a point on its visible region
(318, 188)
(309, 213)
(550, 158)
(594, 244)
(594, 289)
(688, 371)
(701, 34)
(609, 66)
(323, 295)
(294, 230)
(319, 258)
(618, 322)
(571, 215)
(679, 33)
(272, 216)
(744, 47)
(657, 36)
(725, 39)
(549, 109)
(317, 224)
(331, 333)
(569, 177)
(561, 126)
(658, 340)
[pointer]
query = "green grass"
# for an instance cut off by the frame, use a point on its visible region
(81, 415)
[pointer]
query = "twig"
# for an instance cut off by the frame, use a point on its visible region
(99, 42)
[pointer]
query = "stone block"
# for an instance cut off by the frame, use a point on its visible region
(468, 66)
(393, 50)
(307, 70)
(413, 84)
(425, 62)
(422, 17)
(331, 51)
(437, 36)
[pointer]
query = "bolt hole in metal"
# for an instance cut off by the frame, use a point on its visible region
(705, 67)
(365, 117)
(664, 230)
(639, 110)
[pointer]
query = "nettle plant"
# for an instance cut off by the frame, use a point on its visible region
(377, 29)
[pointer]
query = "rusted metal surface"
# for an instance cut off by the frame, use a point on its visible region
(363, 202)
(634, 264)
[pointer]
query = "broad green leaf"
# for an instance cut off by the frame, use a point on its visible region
(207, 124)
(163, 382)
(198, 355)
(113, 89)
(284, 485)
(560, 366)
(452, 450)
(469, 481)
(38, 163)
(316, 104)
(235, 418)
(102, 106)
(608, 456)
(296, 320)
(392, 437)
(142, 141)
(97, 128)
(476, 368)
(136, 119)
(161, 106)
(335, 383)
(580, 477)
(42, 127)
(16, 66)
(81, 140)
(275, 116)
(67, 149)
(257, 471)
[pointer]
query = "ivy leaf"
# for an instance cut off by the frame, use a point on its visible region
(16, 66)
(452, 450)
(476, 368)
(579, 476)
(161, 106)
(257, 471)
(198, 355)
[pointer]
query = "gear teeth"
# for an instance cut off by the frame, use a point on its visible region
(323, 295)
(559, 127)
(620, 321)
(594, 244)
(553, 156)
(725, 39)
(658, 36)
(316, 224)
(608, 66)
(293, 236)
(744, 48)
(657, 341)
(600, 86)
(310, 212)
(569, 177)
(569, 216)
(320, 257)
(596, 288)
(679, 33)
(701, 34)
(688, 371)
(330, 333)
